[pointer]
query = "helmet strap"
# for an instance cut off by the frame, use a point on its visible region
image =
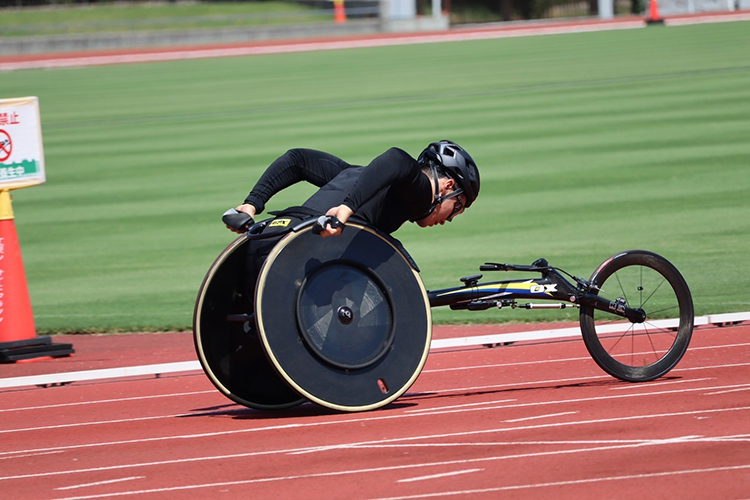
(437, 199)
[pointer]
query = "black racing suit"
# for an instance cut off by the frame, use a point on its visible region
(388, 192)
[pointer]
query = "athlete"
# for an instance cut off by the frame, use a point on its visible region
(394, 188)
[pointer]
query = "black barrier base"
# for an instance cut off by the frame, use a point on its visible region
(39, 347)
(226, 341)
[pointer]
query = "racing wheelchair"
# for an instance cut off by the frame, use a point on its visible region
(345, 322)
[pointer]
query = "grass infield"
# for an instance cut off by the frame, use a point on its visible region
(588, 144)
(120, 17)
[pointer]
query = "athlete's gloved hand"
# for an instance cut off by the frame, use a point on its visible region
(239, 219)
(341, 213)
(325, 222)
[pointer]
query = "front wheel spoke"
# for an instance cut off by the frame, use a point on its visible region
(627, 332)
(651, 341)
(661, 329)
(624, 295)
(652, 293)
(659, 311)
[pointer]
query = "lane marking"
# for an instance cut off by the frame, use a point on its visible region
(188, 366)
(563, 360)
(34, 454)
(649, 442)
(740, 388)
(387, 444)
(540, 416)
(99, 483)
(453, 409)
(119, 400)
(107, 373)
(572, 482)
(439, 476)
(395, 468)
(394, 440)
(407, 413)
(668, 382)
(467, 405)
(531, 384)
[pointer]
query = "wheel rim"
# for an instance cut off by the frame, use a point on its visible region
(638, 352)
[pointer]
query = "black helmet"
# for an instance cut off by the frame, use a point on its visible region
(454, 161)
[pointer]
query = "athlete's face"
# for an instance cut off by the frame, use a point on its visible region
(444, 212)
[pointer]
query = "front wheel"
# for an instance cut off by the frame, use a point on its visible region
(639, 352)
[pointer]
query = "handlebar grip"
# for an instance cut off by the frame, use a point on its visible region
(489, 266)
(325, 220)
(237, 220)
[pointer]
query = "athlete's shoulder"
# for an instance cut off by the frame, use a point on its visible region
(399, 153)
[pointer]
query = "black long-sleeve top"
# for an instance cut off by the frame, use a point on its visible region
(388, 192)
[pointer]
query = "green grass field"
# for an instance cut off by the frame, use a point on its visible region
(588, 144)
(114, 17)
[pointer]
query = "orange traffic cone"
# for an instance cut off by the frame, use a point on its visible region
(339, 13)
(18, 340)
(653, 13)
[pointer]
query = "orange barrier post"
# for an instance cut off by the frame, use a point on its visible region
(339, 13)
(18, 340)
(653, 13)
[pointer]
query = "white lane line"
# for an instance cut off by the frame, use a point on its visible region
(572, 482)
(482, 444)
(504, 365)
(439, 476)
(453, 409)
(468, 405)
(187, 366)
(739, 388)
(100, 422)
(100, 401)
(107, 373)
(711, 367)
(407, 413)
(563, 360)
(666, 382)
(33, 454)
(629, 443)
(540, 416)
(381, 469)
(99, 483)
(403, 439)
(531, 385)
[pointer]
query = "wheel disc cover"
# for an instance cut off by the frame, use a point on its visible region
(345, 320)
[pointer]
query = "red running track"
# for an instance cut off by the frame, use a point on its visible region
(530, 419)
(472, 32)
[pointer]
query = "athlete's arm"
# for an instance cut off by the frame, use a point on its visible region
(315, 167)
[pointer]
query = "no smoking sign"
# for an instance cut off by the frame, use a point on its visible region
(21, 153)
(6, 145)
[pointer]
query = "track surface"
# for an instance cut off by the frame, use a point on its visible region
(472, 32)
(526, 419)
